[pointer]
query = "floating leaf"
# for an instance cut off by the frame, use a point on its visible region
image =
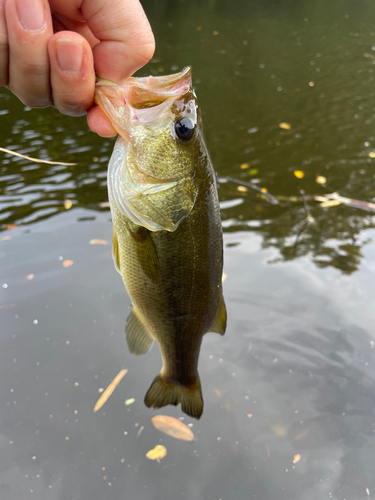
(112, 386)
(300, 174)
(67, 263)
(285, 126)
(253, 171)
(129, 401)
(330, 203)
(372, 154)
(249, 415)
(30, 276)
(264, 190)
(320, 179)
(242, 189)
(215, 32)
(68, 204)
(157, 453)
(172, 427)
(12, 226)
(296, 458)
(218, 393)
(243, 166)
(6, 238)
(98, 242)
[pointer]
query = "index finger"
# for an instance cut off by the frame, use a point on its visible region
(126, 39)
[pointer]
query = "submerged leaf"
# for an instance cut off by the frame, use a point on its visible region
(157, 453)
(112, 386)
(172, 427)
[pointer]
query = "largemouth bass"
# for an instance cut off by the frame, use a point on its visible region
(167, 235)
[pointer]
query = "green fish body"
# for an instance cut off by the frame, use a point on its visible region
(167, 235)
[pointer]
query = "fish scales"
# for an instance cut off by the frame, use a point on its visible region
(167, 230)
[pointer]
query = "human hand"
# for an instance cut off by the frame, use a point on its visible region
(51, 50)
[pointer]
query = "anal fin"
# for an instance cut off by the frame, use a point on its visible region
(138, 338)
(220, 322)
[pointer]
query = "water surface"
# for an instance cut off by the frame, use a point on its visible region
(293, 378)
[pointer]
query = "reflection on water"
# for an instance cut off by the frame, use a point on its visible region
(289, 390)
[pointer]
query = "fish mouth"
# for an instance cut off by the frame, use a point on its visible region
(142, 100)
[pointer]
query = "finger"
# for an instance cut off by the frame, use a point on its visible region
(72, 73)
(127, 42)
(29, 28)
(3, 46)
(99, 123)
(60, 23)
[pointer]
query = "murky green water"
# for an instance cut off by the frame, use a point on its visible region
(293, 378)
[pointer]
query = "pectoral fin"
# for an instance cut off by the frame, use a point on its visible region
(220, 322)
(146, 253)
(138, 338)
(115, 251)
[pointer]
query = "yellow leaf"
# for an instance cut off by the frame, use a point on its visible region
(264, 190)
(68, 204)
(157, 453)
(330, 203)
(98, 242)
(243, 189)
(30, 276)
(253, 171)
(244, 166)
(285, 126)
(372, 154)
(67, 263)
(215, 32)
(112, 386)
(172, 427)
(296, 458)
(11, 226)
(129, 401)
(320, 179)
(300, 174)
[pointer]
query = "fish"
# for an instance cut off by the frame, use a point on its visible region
(167, 233)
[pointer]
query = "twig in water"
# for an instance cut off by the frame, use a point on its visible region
(36, 160)
(270, 197)
(309, 218)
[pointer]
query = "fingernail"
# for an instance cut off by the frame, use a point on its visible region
(31, 14)
(69, 55)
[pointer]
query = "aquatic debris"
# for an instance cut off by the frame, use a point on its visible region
(36, 160)
(285, 126)
(242, 189)
(300, 174)
(296, 458)
(279, 430)
(98, 242)
(253, 171)
(172, 427)
(372, 154)
(270, 197)
(30, 276)
(68, 204)
(112, 386)
(244, 166)
(157, 453)
(129, 401)
(320, 179)
(67, 263)
(330, 203)
(249, 415)
(12, 226)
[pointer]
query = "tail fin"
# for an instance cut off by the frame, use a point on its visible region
(163, 392)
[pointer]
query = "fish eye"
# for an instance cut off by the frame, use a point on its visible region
(184, 128)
